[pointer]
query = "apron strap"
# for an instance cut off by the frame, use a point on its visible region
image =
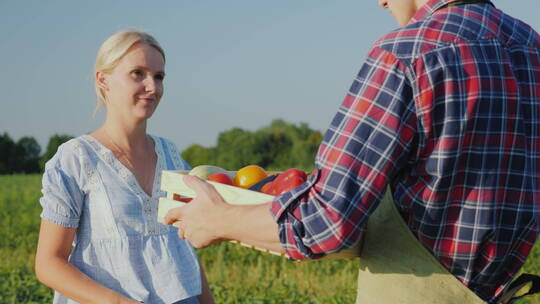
(524, 279)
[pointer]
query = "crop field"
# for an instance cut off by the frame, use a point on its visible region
(236, 274)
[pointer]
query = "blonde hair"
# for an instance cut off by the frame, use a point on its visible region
(113, 49)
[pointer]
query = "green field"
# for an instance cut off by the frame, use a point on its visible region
(236, 274)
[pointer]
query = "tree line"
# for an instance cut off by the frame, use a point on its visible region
(24, 156)
(278, 146)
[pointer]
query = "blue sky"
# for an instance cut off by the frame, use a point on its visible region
(236, 63)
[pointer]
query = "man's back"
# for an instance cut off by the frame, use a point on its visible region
(446, 111)
(474, 75)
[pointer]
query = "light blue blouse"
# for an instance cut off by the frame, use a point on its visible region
(119, 242)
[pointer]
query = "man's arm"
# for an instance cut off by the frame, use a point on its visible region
(364, 147)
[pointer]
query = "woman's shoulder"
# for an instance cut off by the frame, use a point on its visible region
(171, 152)
(66, 151)
(72, 153)
(167, 145)
(164, 142)
(68, 160)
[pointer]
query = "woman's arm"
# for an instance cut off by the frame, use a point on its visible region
(206, 295)
(54, 270)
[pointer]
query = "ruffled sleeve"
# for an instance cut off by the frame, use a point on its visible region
(62, 199)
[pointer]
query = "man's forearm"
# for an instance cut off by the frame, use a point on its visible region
(252, 225)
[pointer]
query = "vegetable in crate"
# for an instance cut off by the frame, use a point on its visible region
(203, 171)
(259, 185)
(249, 176)
(222, 178)
(285, 182)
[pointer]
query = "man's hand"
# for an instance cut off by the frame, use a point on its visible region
(203, 220)
(209, 219)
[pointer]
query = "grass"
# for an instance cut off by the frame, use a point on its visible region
(236, 274)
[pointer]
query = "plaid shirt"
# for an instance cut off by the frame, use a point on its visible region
(446, 112)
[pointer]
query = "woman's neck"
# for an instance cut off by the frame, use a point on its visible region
(125, 136)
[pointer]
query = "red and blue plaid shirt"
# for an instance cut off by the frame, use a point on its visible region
(446, 112)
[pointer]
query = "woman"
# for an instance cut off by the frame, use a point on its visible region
(101, 190)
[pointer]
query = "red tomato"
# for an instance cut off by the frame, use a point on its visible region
(291, 183)
(288, 174)
(287, 181)
(180, 198)
(220, 178)
(266, 188)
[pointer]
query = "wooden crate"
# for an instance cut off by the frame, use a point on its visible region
(173, 183)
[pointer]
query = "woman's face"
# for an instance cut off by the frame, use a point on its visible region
(135, 86)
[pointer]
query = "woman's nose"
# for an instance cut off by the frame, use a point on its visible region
(150, 84)
(383, 3)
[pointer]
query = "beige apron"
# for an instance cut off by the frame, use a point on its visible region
(396, 268)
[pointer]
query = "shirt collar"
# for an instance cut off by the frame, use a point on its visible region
(428, 9)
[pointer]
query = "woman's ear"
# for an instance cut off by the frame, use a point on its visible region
(101, 80)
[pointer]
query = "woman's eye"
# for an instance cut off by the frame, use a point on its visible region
(159, 76)
(137, 73)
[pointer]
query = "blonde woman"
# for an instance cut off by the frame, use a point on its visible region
(100, 194)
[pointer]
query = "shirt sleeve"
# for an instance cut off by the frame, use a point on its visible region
(62, 199)
(365, 146)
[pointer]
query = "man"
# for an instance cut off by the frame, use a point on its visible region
(446, 112)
